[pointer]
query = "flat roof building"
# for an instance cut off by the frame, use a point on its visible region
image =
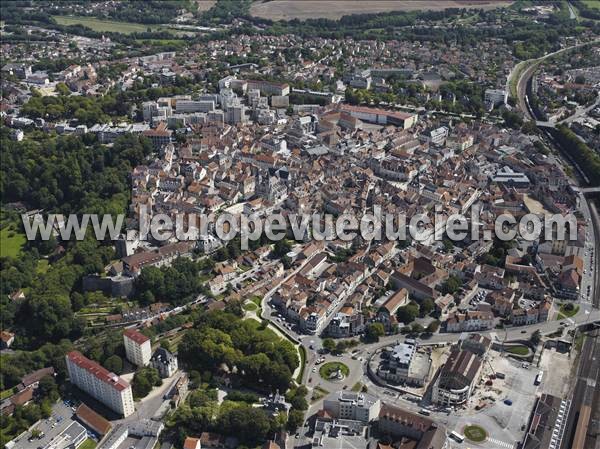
(350, 405)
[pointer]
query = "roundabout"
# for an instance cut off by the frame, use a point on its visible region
(477, 434)
(334, 371)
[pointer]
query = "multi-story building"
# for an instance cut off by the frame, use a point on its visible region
(138, 349)
(381, 117)
(547, 423)
(397, 422)
(269, 88)
(101, 384)
(494, 97)
(164, 362)
(404, 364)
(472, 320)
(350, 405)
(344, 325)
(457, 378)
(159, 136)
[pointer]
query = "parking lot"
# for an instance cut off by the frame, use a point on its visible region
(50, 429)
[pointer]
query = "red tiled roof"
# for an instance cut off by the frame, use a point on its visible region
(136, 336)
(97, 370)
(90, 418)
(22, 397)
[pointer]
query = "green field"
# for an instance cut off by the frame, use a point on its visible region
(11, 241)
(518, 350)
(475, 433)
(592, 3)
(107, 25)
(88, 444)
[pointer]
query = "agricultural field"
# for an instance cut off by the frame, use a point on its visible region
(106, 25)
(334, 9)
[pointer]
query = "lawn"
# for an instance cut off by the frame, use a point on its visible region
(357, 387)
(318, 393)
(592, 3)
(11, 241)
(249, 306)
(266, 331)
(331, 367)
(88, 444)
(518, 350)
(302, 352)
(42, 266)
(475, 433)
(106, 25)
(566, 311)
(6, 394)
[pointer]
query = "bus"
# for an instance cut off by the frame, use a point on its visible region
(457, 436)
(425, 412)
(538, 378)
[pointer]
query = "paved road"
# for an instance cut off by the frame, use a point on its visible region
(581, 110)
(525, 75)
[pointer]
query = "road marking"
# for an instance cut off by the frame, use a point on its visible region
(500, 443)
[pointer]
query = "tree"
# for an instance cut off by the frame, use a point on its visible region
(433, 326)
(165, 344)
(417, 328)
(374, 331)
(281, 248)
(248, 423)
(452, 285)
(329, 344)
(114, 363)
(62, 89)
(408, 313)
(536, 337)
(295, 420)
(448, 245)
(529, 127)
(426, 307)
(143, 381)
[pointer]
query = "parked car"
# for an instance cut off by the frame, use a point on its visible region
(508, 402)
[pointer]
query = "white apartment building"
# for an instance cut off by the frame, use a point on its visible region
(350, 405)
(137, 347)
(98, 382)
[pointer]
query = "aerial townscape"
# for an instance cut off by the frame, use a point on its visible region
(292, 224)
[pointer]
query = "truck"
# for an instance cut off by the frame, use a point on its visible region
(538, 378)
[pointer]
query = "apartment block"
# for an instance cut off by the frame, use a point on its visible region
(98, 382)
(137, 347)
